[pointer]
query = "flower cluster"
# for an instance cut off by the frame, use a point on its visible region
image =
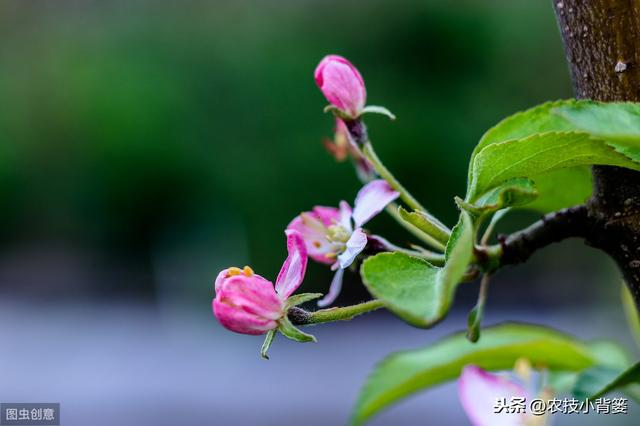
(415, 283)
(248, 303)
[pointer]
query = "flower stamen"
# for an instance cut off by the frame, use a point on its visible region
(338, 234)
(233, 271)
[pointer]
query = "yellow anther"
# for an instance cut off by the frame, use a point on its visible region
(331, 255)
(337, 234)
(317, 244)
(233, 271)
(247, 271)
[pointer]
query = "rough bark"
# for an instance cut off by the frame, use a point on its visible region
(601, 39)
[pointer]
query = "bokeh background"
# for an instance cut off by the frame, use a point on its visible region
(146, 145)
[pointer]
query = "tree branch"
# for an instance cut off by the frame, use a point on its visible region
(552, 228)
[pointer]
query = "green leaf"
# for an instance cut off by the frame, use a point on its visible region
(414, 289)
(407, 285)
(598, 381)
(539, 154)
(538, 119)
(404, 373)
(459, 250)
(565, 187)
(512, 193)
(613, 124)
(299, 299)
(268, 340)
(474, 320)
(609, 356)
(290, 331)
(590, 381)
(425, 223)
(562, 382)
(561, 188)
(617, 122)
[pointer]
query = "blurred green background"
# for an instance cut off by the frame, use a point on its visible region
(146, 145)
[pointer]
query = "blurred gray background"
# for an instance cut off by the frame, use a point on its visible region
(146, 145)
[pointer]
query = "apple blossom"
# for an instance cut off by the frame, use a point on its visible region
(248, 303)
(335, 236)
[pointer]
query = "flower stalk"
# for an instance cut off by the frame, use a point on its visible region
(358, 132)
(299, 316)
(381, 169)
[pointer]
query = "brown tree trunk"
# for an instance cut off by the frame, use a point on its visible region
(601, 39)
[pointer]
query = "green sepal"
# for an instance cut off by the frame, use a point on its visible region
(337, 112)
(292, 332)
(299, 299)
(376, 109)
(268, 339)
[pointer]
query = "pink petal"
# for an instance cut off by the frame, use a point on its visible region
(371, 199)
(334, 289)
(220, 279)
(240, 321)
(356, 243)
(328, 215)
(311, 227)
(342, 84)
(479, 392)
(294, 267)
(247, 304)
(253, 294)
(223, 276)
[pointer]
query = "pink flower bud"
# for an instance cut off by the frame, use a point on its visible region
(342, 84)
(247, 303)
